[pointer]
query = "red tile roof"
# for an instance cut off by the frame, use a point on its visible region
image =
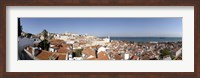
(117, 57)
(63, 50)
(66, 45)
(61, 57)
(43, 55)
(92, 58)
(88, 51)
(135, 57)
(102, 56)
(57, 42)
(30, 49)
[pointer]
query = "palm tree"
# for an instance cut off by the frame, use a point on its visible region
(45, 33)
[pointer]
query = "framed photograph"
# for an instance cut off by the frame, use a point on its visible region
(122, 38)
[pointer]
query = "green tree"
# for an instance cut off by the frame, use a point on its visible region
(44, 45)
(45, 33)
(19, 27)
(165, 52)
(78, 52)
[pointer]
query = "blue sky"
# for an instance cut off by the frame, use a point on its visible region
(101, 27)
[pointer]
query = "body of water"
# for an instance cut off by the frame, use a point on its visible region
(148, 39)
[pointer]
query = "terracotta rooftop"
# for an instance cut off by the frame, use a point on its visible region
(117, 57)
(102, 56)
(80, 43)
(88, 51)
(91, 58)
(43, 55)
(54, 56)
(66, 45)
(134, 57)
(61, 57)
(94, 47)
(29, 49)
(63, 50)
(56, 42)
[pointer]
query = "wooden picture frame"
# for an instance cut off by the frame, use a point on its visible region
(4, 74)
